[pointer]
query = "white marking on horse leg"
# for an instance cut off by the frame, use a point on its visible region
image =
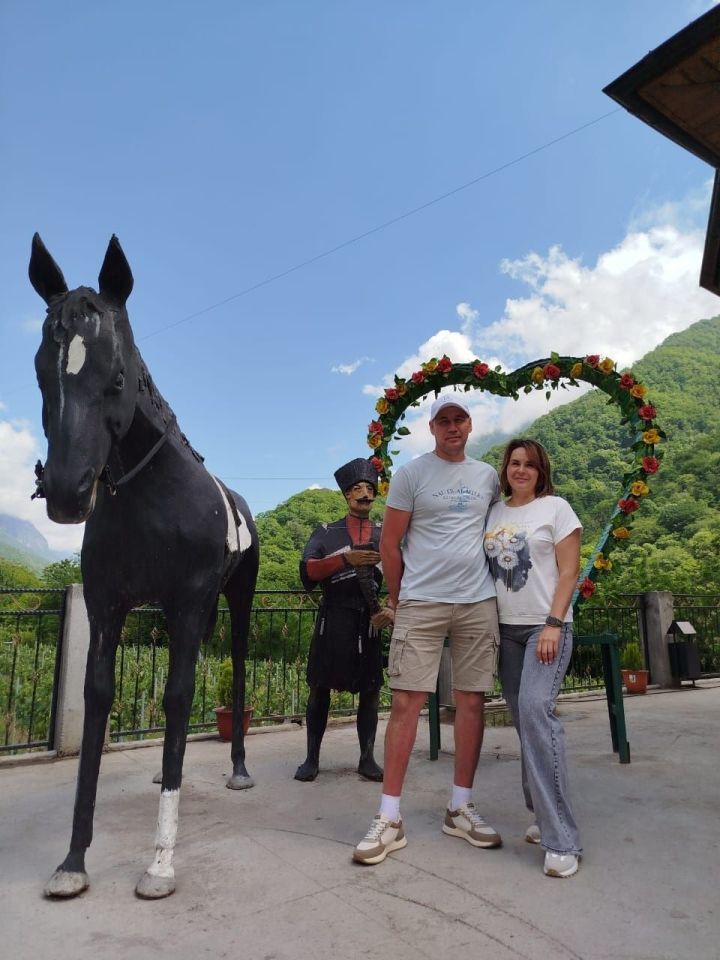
(76, 354)
(167, 825)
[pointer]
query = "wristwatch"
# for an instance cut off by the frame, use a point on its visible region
(553, 622)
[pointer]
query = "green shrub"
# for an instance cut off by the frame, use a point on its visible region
(224, 688)
(632, 658)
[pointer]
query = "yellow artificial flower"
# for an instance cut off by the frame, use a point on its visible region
(575, 370)
(651, 437)
(374, 440)
(607, 365)
(429, 367)
(382, 406)
(639, 489)
(638, 391)
(621, 533)
(401, 387)
(383, 487)
(602, 563)
(537, 375)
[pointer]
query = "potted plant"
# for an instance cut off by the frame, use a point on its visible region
(633, 671)
(223, 695)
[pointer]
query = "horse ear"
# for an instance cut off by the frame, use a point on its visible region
(115, 279)
(45, 275)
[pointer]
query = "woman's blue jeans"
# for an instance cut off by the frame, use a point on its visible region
(530, 689)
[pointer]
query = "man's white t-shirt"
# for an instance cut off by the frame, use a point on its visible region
(520, 546)
(442, 551)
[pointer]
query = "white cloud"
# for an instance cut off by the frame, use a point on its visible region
(623, 305)
(315, 486)
(18, 452)
(31, 325)
(350, 368)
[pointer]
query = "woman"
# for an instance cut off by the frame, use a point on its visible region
(532, 541)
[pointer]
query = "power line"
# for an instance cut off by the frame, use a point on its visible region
(381, 226)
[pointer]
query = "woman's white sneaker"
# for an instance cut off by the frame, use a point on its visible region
(532, 834)
(560, 864)
(382, 838)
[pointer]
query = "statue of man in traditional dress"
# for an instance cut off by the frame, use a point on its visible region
(345, 652)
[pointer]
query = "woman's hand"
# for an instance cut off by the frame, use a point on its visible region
(547, 645)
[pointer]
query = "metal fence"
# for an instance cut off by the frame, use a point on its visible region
(30, 636)
(281, 628)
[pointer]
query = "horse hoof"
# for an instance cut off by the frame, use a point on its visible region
(238, 782)
(66, 883)
(150, 887)
(158, 777)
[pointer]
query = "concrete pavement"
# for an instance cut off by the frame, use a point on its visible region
(266, 874)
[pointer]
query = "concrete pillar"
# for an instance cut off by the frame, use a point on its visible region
(71, 700)
(658, 617)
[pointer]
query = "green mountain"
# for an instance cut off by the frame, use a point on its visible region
(675, 543)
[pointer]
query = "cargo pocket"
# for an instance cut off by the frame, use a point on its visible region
(397, 650)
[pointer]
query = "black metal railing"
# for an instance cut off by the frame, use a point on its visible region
(31, 622)
(281, 628)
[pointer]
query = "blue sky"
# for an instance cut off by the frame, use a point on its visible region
(227, 143)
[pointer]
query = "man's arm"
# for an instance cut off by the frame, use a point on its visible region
(395, 524)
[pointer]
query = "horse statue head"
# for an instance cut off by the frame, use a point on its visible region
(88, 372)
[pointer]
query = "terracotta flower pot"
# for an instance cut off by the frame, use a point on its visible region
(224, 721)
(635, 680)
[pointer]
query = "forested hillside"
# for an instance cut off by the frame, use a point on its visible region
(675, 541)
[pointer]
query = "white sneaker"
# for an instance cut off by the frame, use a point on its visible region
(560, 864)
(467, 823)
(532, 834)
(382, 838)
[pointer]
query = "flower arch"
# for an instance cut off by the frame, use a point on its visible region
(552, 373)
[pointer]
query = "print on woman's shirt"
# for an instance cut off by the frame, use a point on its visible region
(508, 556)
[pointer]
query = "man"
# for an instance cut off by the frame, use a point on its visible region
(345, 653)
(439, 586)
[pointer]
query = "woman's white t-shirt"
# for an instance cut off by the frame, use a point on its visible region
(520, 546)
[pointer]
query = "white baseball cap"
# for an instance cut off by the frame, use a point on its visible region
(448, 400)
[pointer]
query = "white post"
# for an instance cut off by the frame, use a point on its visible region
(658, 617)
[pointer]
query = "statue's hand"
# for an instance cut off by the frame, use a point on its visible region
(362, 558)
(383, 618)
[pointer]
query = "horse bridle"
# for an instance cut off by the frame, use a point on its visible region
(106, 476)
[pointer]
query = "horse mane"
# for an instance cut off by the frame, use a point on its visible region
(146, 385)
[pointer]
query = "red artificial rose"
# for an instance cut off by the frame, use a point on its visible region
(647, 412)
(418, 376)
(375, 427)
(481, 370)
(592, 359)
(444, 365)
(391, 393)
(628, 505)
(626, 381)
(377, 464)
(586, 587)
(551, 372)
(650, 464)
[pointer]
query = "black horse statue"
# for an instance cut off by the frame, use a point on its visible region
(159, 528)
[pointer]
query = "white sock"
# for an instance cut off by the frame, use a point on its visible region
(460, 795)
(390, 807)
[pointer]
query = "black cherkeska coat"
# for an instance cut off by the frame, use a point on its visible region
(345, 652)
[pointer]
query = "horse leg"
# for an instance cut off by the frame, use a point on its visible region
(186, 630)
(70, 878)
(239, 592)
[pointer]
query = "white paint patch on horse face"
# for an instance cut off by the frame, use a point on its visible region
(167, 826)
(76, 355)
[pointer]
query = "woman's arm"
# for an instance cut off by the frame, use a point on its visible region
(567, 556)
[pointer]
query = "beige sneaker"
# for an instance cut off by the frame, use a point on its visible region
(382, 838)
(467, 823)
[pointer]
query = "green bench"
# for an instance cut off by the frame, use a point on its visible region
(609, 648)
